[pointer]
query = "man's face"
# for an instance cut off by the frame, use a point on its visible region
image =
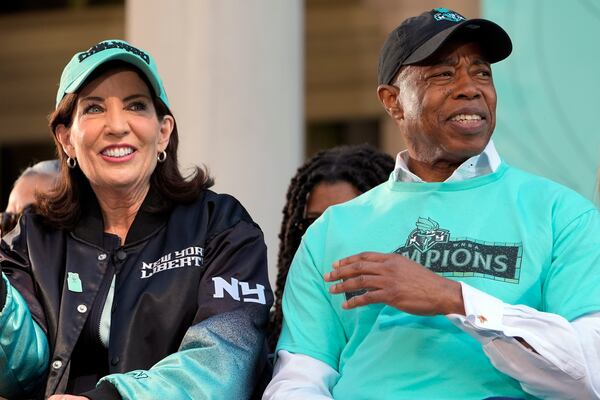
(447, 108)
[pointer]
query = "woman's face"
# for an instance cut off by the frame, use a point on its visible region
(115, 134)
(326, 194)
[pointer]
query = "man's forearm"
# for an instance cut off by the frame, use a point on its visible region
(541, 350)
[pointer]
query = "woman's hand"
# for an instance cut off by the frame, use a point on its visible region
(67, 397)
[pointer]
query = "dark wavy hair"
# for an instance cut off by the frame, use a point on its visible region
(362, 166)
(61, 207)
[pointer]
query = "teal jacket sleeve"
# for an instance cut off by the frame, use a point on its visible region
(215, 361)
(24, 351)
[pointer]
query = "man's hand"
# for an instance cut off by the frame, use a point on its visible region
(67, 397)
(397, 281)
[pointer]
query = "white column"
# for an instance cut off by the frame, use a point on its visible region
(233, 71)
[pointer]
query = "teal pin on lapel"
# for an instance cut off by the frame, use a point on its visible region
(73, 282)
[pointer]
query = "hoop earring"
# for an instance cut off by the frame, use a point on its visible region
(162, 156)
(71, 162)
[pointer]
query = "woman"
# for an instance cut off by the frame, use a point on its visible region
(129, 281)
(330, 177)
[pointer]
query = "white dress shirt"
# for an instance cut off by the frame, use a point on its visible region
(566, 361)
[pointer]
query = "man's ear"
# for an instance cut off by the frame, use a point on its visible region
(388, 96)
(63, 134)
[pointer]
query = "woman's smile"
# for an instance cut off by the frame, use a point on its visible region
(118, 153)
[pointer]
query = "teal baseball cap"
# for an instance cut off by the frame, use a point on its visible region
(84, 63)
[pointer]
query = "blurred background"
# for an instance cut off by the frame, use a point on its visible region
(257, 86)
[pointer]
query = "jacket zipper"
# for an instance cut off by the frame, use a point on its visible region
(96, 314)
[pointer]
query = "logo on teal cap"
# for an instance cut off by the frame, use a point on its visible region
(114, 45)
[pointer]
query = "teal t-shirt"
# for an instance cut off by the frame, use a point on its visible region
(521, 238)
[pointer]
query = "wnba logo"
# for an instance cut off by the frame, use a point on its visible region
(431, 247)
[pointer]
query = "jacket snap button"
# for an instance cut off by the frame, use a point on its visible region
(57, 364)
(121, 255)
(115, 360)
(82, 308)
(101, 257)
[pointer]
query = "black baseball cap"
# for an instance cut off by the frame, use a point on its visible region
(418, 38)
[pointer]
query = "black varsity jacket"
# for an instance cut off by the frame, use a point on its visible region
(191, 301)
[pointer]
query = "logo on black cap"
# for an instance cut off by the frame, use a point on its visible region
(114, 45)
(447, 15)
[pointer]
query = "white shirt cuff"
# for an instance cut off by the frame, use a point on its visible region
(483, 315)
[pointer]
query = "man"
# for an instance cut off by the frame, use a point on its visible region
(459, 278)
(39, 178)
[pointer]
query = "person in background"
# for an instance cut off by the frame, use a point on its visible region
(39, 178)
(462, 277)
(129, 280)
(330, 177)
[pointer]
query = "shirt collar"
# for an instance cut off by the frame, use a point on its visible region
(484, 163)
